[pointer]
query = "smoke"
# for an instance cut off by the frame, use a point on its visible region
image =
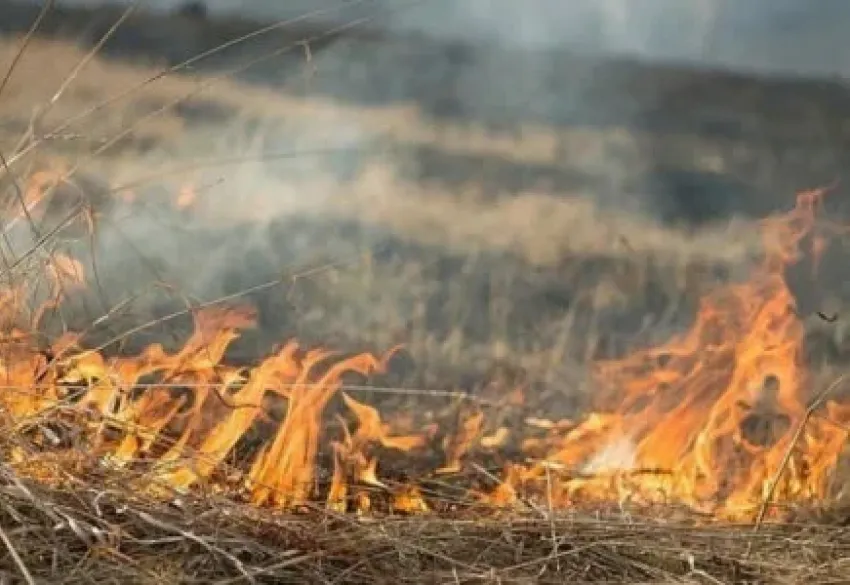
(784, 36)
(619, 455)
(459, 132)
(774, 36)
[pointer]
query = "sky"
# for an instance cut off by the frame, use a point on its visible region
(804, 37)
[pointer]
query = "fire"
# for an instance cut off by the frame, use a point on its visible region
(717, 418)
(708, 418)
(38, 189)
(186, 196)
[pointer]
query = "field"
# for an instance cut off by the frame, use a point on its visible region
(491, 239)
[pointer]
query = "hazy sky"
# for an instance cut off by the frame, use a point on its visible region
(800, 36)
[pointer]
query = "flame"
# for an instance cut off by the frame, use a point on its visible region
(457, 444)
(186, 196)
(38, 188)
(717, 418)
(708, 418)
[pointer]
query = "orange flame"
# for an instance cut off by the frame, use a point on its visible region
(715, 418)
(186, 197)
(707, 418)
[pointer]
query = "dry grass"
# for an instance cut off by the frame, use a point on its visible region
(464, 272)
(90, 528)
(461, 217)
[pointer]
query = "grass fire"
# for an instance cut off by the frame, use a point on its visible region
(717, 419)
(281, 304)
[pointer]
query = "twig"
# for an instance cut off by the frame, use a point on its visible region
(197, 539)
(16, 558)
(93, 52)
(801, 427)
(47, 7)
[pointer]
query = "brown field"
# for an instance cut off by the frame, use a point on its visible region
(509, 218)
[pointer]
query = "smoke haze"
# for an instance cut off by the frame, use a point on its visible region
(776, 36)
(481, 152)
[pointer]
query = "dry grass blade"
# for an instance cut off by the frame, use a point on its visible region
(69, 79)
(146, 517)
(244, 66)
(45, 9)
(245, 292)
(90, 527)
(184, 65)
(818, 401)
(19, 563)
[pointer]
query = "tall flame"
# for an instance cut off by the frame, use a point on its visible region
(707, 418)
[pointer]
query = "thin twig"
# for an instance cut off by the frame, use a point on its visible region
(30, 34)
(19, 563)
(187, 64)
(818, 401)
(195, 538)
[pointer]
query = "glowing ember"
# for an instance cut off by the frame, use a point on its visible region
(708, 419)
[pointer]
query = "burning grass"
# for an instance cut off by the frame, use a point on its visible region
(696, 462)
(128, 453)
(716, 419)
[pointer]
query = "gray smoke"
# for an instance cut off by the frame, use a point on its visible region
(437, 117)
(787, 36)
